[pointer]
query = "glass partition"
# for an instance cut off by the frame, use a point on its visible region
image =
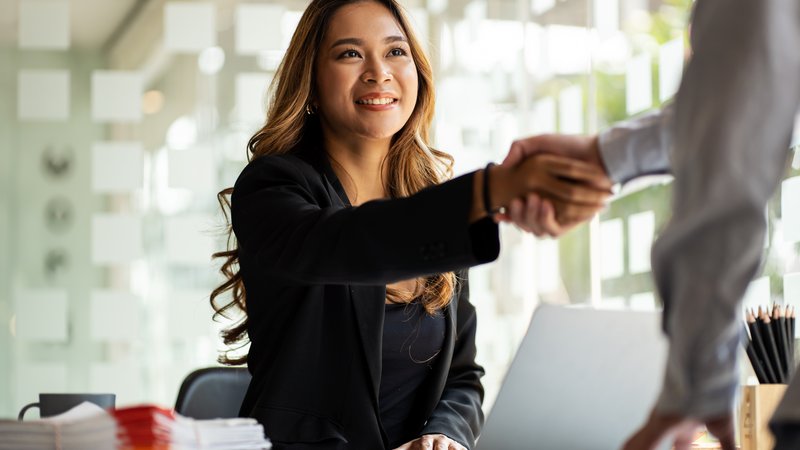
(116, 135)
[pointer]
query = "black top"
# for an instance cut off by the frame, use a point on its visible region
(315, 270)
(412, 339)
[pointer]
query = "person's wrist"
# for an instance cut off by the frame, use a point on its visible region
(501, 181)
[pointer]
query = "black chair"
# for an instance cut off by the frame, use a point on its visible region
(213, 392)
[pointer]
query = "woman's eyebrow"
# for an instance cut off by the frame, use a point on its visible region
(360, 42)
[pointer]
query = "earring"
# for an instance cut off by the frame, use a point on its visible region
(310, 110)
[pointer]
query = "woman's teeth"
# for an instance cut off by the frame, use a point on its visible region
(376, 101)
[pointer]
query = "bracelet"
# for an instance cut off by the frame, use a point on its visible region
(487, 204)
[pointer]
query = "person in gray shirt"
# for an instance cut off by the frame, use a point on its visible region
(725, 140)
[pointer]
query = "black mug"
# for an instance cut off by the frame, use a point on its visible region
(54, 404)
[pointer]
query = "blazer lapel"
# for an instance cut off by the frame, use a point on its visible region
(368, 305)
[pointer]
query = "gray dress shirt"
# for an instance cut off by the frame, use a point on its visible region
(725, 140)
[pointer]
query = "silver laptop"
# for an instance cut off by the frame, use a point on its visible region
(582, 379)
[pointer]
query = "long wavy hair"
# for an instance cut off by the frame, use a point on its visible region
(411, 163)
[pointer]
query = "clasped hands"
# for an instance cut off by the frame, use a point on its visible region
(562, 181)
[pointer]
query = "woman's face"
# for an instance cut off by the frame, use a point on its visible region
(366, 76)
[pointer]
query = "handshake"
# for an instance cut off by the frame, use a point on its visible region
(548, 184)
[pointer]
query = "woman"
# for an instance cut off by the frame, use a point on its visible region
(339, 218)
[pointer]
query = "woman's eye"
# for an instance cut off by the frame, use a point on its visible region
(350, 54)
(397, 52)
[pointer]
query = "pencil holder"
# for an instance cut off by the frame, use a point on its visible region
(758, 404)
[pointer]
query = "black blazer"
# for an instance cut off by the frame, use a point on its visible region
(315, 271)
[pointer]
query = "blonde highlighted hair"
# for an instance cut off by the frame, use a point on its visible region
(412, 165)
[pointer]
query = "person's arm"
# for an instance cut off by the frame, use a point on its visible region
(734, 114)
(640, 146)
(458, 415)
(281, 227)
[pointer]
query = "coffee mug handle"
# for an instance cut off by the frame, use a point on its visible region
(25, 408)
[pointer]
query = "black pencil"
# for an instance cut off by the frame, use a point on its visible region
(780, 340)
(786, 344)
(790, 321)
(769, 343)
(761, 351)
(759, 370)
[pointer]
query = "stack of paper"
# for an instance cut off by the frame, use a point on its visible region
(152, 427)
(84, 427)
(145, 427)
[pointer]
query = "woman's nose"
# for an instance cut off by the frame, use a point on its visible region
(376, 72)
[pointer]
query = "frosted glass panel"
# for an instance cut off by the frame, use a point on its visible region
(116, 96)
(757, 294)
(189, 239)
(544, 116)
(643, 301)
(606, 16)
(43, 24)
(641, 227)
(570, 110)
(791, 292)
(121, 378)
(638, 84)
(542, 6)
(612, 258)
(43, 95)
(192, 169)
(42, 315)
(568, 49)
(116, 238)
(670, 68)
(114, 316)
(251, 97)
(189, 27)
(790, 195)
(190, 314)
(117, 166)
(548, 277)
(258, 28)
(523, 267)
(34, 378)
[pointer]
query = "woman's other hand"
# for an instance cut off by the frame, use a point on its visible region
(432, 442)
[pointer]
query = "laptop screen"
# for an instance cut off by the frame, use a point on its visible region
(582, 378)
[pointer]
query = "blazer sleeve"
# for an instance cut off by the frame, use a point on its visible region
(284, 225)
(459, 415)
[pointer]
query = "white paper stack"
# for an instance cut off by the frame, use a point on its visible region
(228, 434)
(89, 427)
(150, 426)
(84, 427)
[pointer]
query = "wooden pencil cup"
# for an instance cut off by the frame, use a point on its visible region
(758, 404)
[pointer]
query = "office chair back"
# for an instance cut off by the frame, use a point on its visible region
(213, 392)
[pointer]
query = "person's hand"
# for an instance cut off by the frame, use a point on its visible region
(432, 442)
(583, 148)
(681, 431)
(561, 192)
(534, 213)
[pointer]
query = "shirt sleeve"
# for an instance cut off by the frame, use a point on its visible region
(639, 146)
(282, 229)
(733, 121)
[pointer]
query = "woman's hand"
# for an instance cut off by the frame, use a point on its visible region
(566, 191)
(432, 442)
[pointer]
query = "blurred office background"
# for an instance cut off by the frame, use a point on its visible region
(121, 120)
